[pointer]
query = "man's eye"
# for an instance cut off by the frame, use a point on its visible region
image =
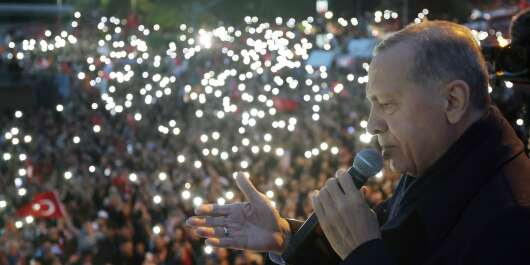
(387, 106)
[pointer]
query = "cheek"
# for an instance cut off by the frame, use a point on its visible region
(406, 136)
(415, 130)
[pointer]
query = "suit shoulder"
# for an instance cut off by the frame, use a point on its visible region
(517, 174)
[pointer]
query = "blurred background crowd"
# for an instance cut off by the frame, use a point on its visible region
(130, 125)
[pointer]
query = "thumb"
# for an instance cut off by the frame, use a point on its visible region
(248, 189)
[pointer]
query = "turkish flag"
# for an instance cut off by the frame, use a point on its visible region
(285, 104)
(523, 4)
(43, 205)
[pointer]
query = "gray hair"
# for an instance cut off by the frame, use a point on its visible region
(444, 51)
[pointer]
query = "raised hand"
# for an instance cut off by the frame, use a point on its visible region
(252, 225)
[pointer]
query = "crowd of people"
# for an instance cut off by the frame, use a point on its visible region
(138, 135)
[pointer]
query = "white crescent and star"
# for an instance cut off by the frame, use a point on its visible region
(50, 207)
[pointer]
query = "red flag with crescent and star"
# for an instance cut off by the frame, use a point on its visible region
(43, 205)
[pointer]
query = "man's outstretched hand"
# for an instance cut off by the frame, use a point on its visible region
(252, 225)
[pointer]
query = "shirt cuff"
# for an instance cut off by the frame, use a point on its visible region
(276, 259)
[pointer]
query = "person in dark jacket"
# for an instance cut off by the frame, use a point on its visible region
(464, 196)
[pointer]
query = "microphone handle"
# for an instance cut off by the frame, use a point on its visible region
(309, 226)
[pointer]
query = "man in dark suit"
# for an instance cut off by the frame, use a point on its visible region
(464, 196)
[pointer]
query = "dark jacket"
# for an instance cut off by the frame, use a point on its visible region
(471, 207)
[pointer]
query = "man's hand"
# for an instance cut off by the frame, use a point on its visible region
(343, 215)
(252, 225)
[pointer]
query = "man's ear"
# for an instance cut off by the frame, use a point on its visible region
(457, 100)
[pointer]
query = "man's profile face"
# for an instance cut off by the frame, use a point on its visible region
(407, 118)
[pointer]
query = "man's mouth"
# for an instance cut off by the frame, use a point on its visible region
(387, 151)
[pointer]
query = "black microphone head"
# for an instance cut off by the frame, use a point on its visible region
(368, 162)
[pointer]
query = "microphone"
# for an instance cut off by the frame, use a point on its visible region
(367, 163)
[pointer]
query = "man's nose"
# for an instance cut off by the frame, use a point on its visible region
(376, 125)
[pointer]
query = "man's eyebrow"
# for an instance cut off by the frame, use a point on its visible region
(381, 95)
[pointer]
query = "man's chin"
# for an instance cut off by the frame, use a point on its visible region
(395, 166)
(392, 165)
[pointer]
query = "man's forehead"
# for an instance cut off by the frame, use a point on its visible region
(389, 71)
(397, 58)
(381, 85)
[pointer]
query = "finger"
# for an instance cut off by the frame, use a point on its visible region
(226, 242)
(248, 189)
(214, 209)
(332, 212)
(207, 221)
(327, 202)
(317, 207)
(215, 221)
(332, 186)
(339, 210)
(352, 190)
(346, 181)
(194, 221)
(322, 218)
(208, 232)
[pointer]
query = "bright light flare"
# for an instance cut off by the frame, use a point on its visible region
(205, 40)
